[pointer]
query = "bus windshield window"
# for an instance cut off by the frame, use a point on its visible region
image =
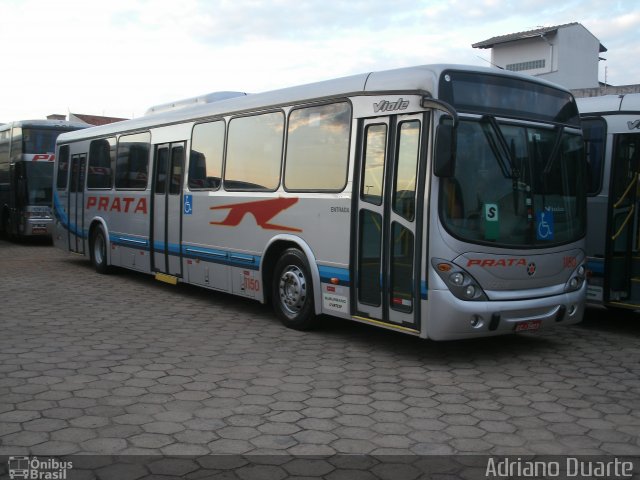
(39, 140)
(39, 182)
(486, 93)
(515, 186)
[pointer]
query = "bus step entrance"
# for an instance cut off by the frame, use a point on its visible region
(163, 277)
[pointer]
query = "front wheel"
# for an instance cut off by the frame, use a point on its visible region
(292, 291)
(98, 250)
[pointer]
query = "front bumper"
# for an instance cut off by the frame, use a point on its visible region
(450, 318)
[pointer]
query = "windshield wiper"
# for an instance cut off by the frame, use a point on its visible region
(502, 152)
(499, 147)
(557, 143)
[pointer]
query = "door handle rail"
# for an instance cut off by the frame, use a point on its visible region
(624, 224)
(626, 192)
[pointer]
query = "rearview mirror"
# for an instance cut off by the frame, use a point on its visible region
(444, 164)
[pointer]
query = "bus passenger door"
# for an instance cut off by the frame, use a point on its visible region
(76, 203)
(166, 213)
(386, 260)
(622, 265)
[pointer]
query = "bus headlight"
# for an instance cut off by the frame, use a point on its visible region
(459, 282)
(576, 280)
(457, 278)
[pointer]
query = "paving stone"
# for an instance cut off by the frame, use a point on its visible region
(230, 447)
(173, 416)
(19, 416)
(195, 436)
(89, 421)
(151, 440)
(133, 419)
(72, 434)
(55, 448)
(278, 428)
(353, 446)
(273, 442)
(24, 439)
(44, 425)
(104, 446)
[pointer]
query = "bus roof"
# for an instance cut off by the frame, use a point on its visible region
(43, 124)
(609, 104)
(423, 78)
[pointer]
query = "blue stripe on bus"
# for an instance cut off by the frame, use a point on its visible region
(242, 260)
(131, 242)
(423, 290)
(224, 257)
(60, 214)
(327, 273)
(58, 211)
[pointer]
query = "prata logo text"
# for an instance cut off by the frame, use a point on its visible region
(634, 125)
(500, 262)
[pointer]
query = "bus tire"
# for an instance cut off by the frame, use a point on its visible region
(292, 291)
(4, 225)
(98, 251)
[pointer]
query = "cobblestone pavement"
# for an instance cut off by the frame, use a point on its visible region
(123, 364)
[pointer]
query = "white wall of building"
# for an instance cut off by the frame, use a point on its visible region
(570, 56)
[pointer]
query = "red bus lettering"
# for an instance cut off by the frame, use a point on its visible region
(142, 206)
(127, 202)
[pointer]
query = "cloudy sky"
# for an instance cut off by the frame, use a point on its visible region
(119, 57)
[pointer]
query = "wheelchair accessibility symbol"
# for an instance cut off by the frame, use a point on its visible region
(188, 204)
(544, 222)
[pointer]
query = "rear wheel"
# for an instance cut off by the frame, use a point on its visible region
(292, 291)
(6, 225)
(98, 249)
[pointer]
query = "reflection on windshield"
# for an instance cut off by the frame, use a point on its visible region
(515, 185)
(39, 140)
(39, 182)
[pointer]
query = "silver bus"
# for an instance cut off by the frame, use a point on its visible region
(441, 201)
(611, 125)
(26, 171)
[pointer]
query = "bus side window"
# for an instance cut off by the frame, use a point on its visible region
(132, 164)
(317, 155)
(101, 156)
(205, 160)
(254, 152)
(63, 168)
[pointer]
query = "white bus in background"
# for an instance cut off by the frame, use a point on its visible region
(440, 201)
(26, 171)
(611, 125)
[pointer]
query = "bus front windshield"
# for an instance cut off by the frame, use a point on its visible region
(39, 178)
(40, 140)
(515, 185)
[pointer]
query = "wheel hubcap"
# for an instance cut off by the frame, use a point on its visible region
(293, 289)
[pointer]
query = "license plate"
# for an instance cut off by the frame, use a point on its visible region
(39, 230)
(529, 326)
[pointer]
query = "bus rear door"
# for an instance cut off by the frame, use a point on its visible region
(166, 212)
(622, 265)
(387, 244)
(76, 203)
